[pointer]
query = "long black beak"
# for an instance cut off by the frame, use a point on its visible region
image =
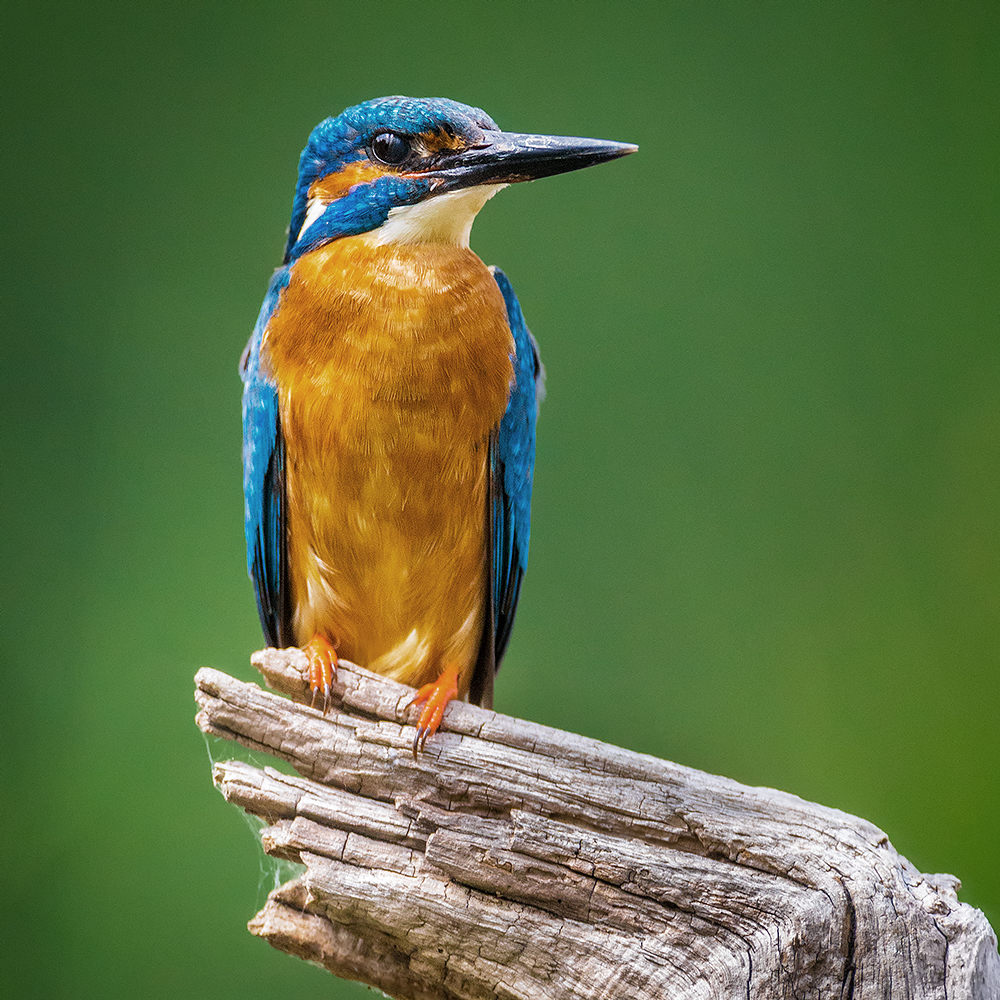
(509, 157)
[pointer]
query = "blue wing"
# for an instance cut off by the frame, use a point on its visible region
(512, 464)
(264, 479)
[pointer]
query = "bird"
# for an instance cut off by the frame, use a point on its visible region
(390, 394)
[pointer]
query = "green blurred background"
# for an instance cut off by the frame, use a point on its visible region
(765, 538)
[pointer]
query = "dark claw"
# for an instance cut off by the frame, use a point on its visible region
(327, 691)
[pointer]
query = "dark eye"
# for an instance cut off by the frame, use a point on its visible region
(390, 148)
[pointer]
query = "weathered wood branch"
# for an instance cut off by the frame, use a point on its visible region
(515, 861)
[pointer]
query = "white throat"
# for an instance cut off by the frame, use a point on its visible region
(441, 218)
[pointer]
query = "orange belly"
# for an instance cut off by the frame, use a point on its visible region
(393, 368)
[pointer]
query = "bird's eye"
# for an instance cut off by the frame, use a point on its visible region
(390, 148)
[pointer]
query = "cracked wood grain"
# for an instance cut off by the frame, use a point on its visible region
(510, 860)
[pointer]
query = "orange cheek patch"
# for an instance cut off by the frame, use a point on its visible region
(336, 185)
(440, 140)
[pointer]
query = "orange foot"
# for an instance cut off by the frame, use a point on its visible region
(322, 668)
(437, 694)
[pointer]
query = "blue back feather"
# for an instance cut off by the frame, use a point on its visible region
(512, 467)
(264, 478)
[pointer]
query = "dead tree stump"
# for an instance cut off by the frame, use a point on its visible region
(510, 860)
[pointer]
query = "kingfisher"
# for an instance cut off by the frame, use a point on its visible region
(391, 388)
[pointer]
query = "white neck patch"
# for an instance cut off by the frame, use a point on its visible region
(315, 208)
(441, 218)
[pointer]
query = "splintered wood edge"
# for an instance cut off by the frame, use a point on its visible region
(286, 924)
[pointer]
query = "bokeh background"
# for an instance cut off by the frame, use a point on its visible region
(765, 538)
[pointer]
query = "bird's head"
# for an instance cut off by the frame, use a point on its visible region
(416, 170)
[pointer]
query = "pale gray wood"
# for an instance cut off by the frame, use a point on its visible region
(512, 860)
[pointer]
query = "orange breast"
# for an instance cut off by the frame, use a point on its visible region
(393, 368)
